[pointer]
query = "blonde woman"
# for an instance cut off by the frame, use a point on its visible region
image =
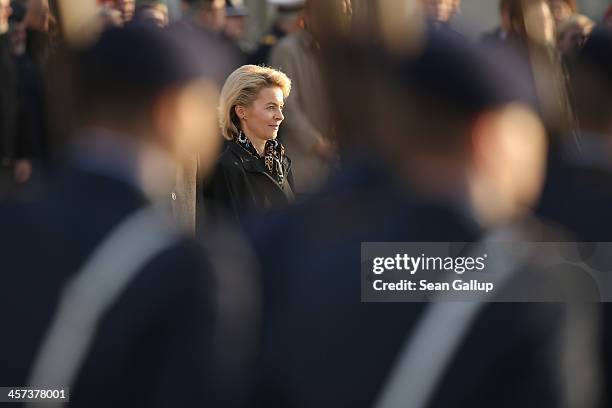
(253, 174)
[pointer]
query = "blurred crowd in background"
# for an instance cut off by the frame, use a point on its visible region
(31, 31)
(182, 209)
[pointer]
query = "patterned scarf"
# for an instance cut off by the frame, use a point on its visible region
(273, 156)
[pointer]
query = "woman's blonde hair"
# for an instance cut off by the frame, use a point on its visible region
(241, 88)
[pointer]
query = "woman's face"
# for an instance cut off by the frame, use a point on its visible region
(262, 118)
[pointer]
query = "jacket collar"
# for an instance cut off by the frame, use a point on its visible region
(254, 164)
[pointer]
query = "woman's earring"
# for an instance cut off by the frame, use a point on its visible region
(242, 138)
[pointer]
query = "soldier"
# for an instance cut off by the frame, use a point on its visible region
(578, 189)
(307, 130)
(442, 144)
(288, 20)
(121, 304)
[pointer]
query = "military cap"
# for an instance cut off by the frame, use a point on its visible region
(140, 61)
(449, 68)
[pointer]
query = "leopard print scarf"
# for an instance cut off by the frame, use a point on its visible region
(273, 155)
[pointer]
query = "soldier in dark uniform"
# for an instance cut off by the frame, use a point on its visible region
(415, 169)
(108, 297)
(578, 189)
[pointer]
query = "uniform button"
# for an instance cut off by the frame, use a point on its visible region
(173, 196)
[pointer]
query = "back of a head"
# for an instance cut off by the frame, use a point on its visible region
(445, 108)
(456, 82)
(435, 90)
(156, 85)
(121, 75)
(123, 72)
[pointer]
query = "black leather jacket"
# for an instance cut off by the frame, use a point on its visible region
(240, 185)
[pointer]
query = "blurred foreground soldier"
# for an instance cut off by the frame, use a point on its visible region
(306, 132)
(109, 298)
(253, 175)
(438, 158)
(578, 191)
(288, 20)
